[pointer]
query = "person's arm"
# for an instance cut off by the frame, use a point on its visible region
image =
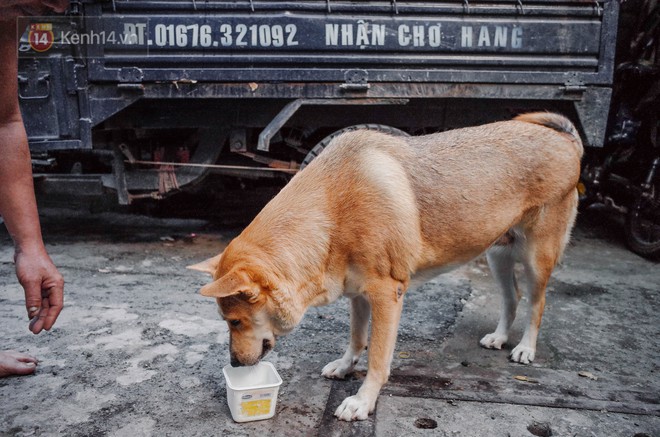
(37, 274)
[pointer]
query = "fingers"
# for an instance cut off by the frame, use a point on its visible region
(37, 323)
(44, 289)
(33, 297)
(45, 315)
(33, 302)
(51, 306)
(54, 302)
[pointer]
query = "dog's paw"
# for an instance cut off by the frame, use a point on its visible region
(354, 408)
(337, 369)
(522, 354)
(493, 341)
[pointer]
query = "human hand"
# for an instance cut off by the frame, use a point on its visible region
(43, 285)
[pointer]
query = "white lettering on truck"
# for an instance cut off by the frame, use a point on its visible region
(500, 36)
(361, 34)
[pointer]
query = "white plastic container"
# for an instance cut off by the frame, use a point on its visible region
(252, 391)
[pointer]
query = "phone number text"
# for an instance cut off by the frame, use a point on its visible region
(226, 35)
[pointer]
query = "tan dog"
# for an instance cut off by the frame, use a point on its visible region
(374, 209)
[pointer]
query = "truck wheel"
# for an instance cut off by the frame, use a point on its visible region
(642, 228)
(325, 141)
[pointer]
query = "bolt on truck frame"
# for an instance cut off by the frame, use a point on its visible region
(147, 97)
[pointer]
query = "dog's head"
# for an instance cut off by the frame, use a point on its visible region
(245, 302)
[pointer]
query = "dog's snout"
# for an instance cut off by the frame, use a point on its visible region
(234, 362)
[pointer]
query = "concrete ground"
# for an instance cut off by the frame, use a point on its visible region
(137, 352)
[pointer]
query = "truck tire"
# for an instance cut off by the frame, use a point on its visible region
(325, 141)
(642, 229)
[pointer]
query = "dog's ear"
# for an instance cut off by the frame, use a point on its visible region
(208, 266)
(233, 283)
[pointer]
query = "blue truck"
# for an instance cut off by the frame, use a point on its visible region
(149, 97)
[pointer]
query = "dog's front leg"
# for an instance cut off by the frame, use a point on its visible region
(386, 301)
(359, 334)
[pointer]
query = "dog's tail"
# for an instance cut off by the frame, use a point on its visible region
(556, 122)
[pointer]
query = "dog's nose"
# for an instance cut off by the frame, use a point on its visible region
(266, 347)
(235, 363)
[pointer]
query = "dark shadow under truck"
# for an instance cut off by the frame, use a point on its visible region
(148, 97)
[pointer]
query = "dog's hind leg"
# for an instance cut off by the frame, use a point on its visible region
(546, 238)
(501, 261)
(358, 342)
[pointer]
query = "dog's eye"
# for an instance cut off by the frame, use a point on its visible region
(234, 323)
